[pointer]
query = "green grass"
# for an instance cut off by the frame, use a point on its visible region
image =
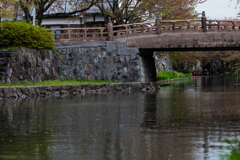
(56, 82)
(165, 75)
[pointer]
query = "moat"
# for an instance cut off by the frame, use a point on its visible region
(183, 121)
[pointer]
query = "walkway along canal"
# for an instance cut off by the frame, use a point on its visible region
(180, 122)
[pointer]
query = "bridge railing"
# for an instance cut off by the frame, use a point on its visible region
(134, 28)
(223, 24)
(79, 34)
(156, 27)
(167, 25)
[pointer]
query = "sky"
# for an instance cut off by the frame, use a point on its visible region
(219, 9)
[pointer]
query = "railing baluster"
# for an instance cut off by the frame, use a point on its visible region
(101, 33)
(85, 35)
(69, 34)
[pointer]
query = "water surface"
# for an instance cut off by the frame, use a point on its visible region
(181, 122)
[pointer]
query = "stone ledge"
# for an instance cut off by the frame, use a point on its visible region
(81, 46)
(23, 92)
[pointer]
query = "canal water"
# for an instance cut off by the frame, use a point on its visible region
(184, 121)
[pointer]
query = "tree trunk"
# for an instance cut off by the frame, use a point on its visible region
(16, 11)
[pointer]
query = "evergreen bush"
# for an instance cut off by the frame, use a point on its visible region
(22, 34)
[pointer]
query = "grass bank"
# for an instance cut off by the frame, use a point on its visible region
(165, 75)
(56, 83)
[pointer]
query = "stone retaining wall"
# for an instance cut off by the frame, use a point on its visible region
(27, 64)
(22, 92)
(162, 62)
(110, 61)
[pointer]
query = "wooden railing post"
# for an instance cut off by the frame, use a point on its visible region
(204, 25)
(158, 24)
(110, 31)
(174, 24)
(234, 25)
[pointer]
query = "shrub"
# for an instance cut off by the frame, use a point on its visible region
(25, 35)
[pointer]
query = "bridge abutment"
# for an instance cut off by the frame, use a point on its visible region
(110, 61)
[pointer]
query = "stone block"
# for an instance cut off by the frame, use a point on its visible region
(104, 54)
(103, 89)
(119, 87)
(56, 89)
(115, 45)
(64, 92)
(111, 87)
(128, 51)
(4, 93)
(9, 72)
(25, 91)
(31, 91)
(117, 59)
(119, 65)
(88, 67)
(136, 86)
(110, 76)
(83, 91)
(92, 87)
(122, 58)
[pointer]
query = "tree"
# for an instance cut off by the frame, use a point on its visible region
(54, 8)
(143, 10)
(6, 8)
(179, 9)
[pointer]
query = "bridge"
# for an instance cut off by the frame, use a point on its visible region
(160, 35)
(163, 35)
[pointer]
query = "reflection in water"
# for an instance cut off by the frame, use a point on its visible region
(183, 121)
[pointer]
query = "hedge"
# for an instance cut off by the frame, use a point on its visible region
(22, 34)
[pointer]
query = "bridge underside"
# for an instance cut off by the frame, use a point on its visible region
(186, 41)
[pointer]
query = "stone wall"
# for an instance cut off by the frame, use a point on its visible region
(162, 62)
(23, 92)
(108, 61)
(27, 64)
(88, 61)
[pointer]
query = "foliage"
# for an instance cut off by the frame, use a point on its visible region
(125, 11)
(178, 58)
(234, 148)
(25, 35)
(56, 82)
(236, 72)
(6, 8)
(54, 8)
(165, 75)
